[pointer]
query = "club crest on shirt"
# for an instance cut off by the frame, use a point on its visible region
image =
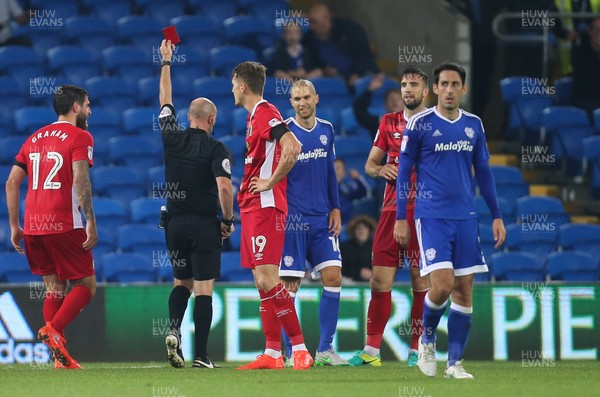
(397, 135)
(166, 111)
(90, 153)
(469, 131)
(288, 261)
(323, 139)
(249, 130)
(274, 121)
(430, 254)
(404, 142)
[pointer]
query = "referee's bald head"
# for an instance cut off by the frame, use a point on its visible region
(202, 114)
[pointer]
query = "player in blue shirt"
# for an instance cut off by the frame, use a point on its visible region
(444, 143)
(314, 222)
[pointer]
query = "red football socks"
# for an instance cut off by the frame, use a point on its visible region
(72, 305)
(52, 304)
(416, 318)
(380, 308)
(284, 309)
(270, 324)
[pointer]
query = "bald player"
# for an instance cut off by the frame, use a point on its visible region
(198, 176)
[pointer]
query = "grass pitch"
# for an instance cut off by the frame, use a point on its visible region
(390, 380)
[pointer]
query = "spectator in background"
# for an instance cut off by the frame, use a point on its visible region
(291, 59)
(341, 44)
(11, 10)
(392, 101)
(586, 70)
(357, 250)
(352, 185)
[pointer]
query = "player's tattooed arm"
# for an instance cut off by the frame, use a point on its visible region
(83, 189)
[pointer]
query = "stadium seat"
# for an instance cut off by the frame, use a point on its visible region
(189, 64)
(76, 63)
(537, 238)
(597, 121)
(224, 58)
(231, 269)
(142, 32)
(41, 39)
(349, 124)
(143, 239)
(218, 89)
(240, 116)
(544, 211)
(236, 144)
(141, 152)
(217, 10)
(333, 93)
(567, 127)
(107, 243)
(198, 32)
(564, 91)
(141, 121)
(156, 175)
(591, 152)
(92, 32)
(486, 241)
(235, 238)
(104, 124)
(22, 63)
(517, 266)
(267, 10)
(148, 93)
(12, 97)
(161, 10)
(128, 268)
(109, 10)
(9, 147)
(15, 269)
(510, 184)
(524, 111)
(119, 183)
(146, 210)
(30, 119)
(54, 9)
(249, 31)
(353, 146)
(110, 213)
(580, 237)
(112, 93)
(572, 266)
(378, 96)
(483, 212)
(129, 63)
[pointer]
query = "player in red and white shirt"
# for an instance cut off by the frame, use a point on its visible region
(57, 159)
(388, 256)
(272, 150)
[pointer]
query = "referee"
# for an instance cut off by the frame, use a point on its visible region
(198, 176)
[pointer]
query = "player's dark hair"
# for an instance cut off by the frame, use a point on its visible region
(415, 72)
(449, 66)
(66, 96)
(253, 74)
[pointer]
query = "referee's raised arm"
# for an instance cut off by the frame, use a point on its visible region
(165, 91)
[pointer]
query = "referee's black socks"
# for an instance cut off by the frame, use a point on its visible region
(203, 312)
(178, 301)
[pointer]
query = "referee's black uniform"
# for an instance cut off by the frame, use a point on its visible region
(193, 159)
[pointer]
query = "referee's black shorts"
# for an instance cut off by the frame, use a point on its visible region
(194, 244)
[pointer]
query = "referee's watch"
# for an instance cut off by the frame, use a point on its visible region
(165, 63)
(228, 222)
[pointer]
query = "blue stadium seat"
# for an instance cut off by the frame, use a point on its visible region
(573, 266)
(120, 183)
(236, 144)
(333, 117)
(353, 146)
(564, 91)
(267, 10)
(142, 32)
(9, 147)
(12, 97)
(510, 184)
(536, 238)
(129, 268)
(128, 63)
(199, 32)
(109, 10)
(217, 10)
(41, 39)
(483, 212)
(107, 244)
(218, 89)
(156, 175)
(224, 58)
(141, 152)
(148, 92)
(231, 269)
(21, 63)
(378, 96)
(524, 111)
(104, 124)
(517, 266)
(333, 93)
(111, 214)
(143, 239)
(141, 121)
(163, 11)
(567, 127)
(486, 241)
(546, 211)
(30, 119)
(92, 32)
(350, 125)
(235, 238)
(591, 151)
(189, 64)
(15, 269)
(597, 121)
(146, 210)
(54, 9)
(249, 31)
(580, 237)
(239, 121)
(112, 93)
(74, 62)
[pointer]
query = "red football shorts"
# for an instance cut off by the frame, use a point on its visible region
(60, 254)
(386, 251)
(263, 234)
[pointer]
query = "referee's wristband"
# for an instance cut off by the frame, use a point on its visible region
(228, 222)
(165, 63)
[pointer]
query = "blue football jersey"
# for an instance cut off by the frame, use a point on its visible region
(444, 152)
(311, 184)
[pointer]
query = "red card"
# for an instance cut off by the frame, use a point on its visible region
(171, 34)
